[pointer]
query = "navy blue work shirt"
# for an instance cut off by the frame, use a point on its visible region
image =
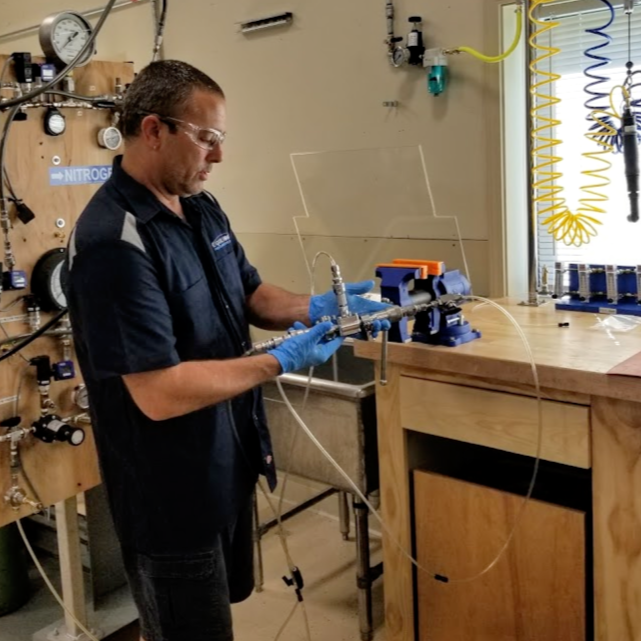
(148, 290)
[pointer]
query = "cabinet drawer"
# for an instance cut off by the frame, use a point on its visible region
(506, 422)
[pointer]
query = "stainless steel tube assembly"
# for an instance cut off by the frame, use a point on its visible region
(392, 314)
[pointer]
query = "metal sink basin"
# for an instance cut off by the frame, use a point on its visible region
(341, 413)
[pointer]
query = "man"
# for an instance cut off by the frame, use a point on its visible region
(161, 296)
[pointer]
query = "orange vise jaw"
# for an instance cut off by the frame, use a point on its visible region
(427, 267)
(432, 267)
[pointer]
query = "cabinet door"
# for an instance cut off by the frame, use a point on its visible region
(535, 592)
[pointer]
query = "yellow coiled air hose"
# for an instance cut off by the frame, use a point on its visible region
(572, 229)
(592, 195)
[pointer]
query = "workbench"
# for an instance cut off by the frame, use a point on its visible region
(585, 564)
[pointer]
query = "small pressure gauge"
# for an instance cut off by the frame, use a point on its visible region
(62, 36)
(399, 56)
(54, 122)
(110, 138)
(80, 397)
(46, 280)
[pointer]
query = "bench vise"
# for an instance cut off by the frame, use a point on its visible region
(441, 324)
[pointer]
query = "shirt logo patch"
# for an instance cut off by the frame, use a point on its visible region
(221, 241)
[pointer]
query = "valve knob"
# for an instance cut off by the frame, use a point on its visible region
(14, 421)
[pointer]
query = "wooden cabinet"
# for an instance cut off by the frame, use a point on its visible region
(482, 394)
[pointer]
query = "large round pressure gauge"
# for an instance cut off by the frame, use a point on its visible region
(62, 36)
(46, 280)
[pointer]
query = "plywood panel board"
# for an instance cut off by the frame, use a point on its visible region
(57, 471)
(395, 510)
(616, 434)
(536, 590)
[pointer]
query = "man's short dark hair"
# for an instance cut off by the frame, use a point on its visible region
(163, 87)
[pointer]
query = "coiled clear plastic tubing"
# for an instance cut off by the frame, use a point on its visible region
(388, 531)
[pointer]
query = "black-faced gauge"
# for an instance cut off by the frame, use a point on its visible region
(54, 122)
(110, 138)
(62, 35)
(46, 280)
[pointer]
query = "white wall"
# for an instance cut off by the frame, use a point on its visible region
(320, 85)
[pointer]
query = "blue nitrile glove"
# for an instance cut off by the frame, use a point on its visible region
(326, 305)
(306, 350)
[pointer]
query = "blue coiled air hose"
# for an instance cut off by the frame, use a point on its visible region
(599, 95)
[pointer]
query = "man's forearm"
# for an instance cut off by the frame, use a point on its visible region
(271, 307)
(194, 385)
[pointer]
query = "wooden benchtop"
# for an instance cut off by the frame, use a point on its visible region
(573, 359)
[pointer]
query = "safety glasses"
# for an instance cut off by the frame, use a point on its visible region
(206, 139)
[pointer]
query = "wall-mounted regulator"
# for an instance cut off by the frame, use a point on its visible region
(414, 53)
(52, 428)
(411, 52)
(435, 60)
(415, 45)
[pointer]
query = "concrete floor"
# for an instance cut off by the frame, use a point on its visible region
(328, 566)
(316, 547)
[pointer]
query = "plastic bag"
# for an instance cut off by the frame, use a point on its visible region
(617, 323)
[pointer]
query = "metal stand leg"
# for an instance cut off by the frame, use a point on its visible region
(363, 577)
(258, 555)
(343, 514)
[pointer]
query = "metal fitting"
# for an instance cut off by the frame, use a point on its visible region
(340, 292)
(349, 325)
(16, 497)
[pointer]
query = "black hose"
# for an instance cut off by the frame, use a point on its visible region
(9, 184)
(39, 332)
(160, 29)
(3, 147)
(75, 96)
